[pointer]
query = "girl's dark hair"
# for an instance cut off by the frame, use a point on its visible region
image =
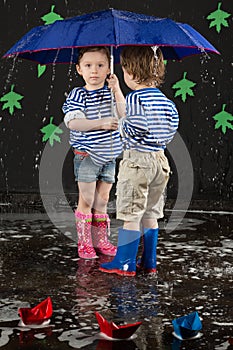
(143, 64)
(102, 49)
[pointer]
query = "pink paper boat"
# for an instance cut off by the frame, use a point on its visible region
(38, 314)
(116, 332)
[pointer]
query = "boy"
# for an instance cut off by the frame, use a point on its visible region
(150, 124)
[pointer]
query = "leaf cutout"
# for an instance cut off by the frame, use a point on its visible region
(218, 18)
(184, 87)
(223, 119)
(50, 131)
(11, 100)
(40, 70)
(51, 17)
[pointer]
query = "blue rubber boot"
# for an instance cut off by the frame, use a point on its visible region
(148, 260)
(124, 263)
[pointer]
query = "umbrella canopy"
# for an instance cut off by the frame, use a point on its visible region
(59, 42)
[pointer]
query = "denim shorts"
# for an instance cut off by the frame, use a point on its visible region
(85, 170)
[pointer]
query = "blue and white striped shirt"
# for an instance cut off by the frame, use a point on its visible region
(102, 145)
(151, 120)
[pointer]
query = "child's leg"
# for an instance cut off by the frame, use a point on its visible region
(132, 225)
(101, 221)
(83, 218)
(131, 202)
(154, 211)
(86, 196)
(150, 223)
(101, 197)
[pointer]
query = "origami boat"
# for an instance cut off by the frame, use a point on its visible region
(37, 315)
(116, 332)
(187, 327)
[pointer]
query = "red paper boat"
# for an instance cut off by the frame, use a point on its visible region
(114, 331)
(38, 314)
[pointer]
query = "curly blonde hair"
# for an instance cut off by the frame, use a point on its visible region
(143, 64)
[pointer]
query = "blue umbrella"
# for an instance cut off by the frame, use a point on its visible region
(59, 42)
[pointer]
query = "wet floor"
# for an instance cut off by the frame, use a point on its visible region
(195, 273)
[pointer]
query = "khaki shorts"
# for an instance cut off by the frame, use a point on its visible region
(141, 184)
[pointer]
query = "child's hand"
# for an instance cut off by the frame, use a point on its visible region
(110, 123)
(113, 83)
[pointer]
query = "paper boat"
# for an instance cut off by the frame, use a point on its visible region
(116, 332)
(187, 327)
(37, 315)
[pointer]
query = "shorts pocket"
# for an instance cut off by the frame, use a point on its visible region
(124, 192)
(78, 158)
(165, 165)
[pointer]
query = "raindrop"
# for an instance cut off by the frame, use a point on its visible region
(10, 73)
(4, 171)
(52, 81)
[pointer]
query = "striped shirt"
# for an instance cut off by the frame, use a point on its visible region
(102, 145)
(151, 120)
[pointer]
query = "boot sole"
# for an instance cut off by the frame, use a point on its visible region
(148, 271)
(119, 272)
(143, 269)
(99, 251)
(88, 258)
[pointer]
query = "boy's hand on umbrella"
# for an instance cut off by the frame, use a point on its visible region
(113, 83)
(110, 123)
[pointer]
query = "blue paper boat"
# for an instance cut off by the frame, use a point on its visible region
(187, 327)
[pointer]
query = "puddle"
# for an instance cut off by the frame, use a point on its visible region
(194, 273)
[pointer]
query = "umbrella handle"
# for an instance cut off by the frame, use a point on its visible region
(111, 60)
(112, 71)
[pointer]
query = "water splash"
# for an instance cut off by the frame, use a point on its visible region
(5, 172)
(52, 80)
(204, 60)
(70, 73)
(11, 71)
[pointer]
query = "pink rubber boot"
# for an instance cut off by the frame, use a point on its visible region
(100, 231)
(85, 246)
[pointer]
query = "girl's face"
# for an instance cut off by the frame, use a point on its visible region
(94, 68)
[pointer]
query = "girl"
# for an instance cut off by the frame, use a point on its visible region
(96, 143)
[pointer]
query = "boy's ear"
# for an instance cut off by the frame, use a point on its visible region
(78, 69)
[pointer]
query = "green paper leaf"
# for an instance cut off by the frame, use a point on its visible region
(50, 131)
(10, 100)
(40, 70)
(223, 119)
(218, 18)
(51, 17)
(184, 87)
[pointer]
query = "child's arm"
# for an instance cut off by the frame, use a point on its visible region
(75, 118)
(114, 85)
(82, 124)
